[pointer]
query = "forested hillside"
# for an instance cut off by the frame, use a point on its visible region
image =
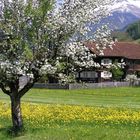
(129, 33)
(133, 30)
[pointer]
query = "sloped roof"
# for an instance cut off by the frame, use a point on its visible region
(120, 49)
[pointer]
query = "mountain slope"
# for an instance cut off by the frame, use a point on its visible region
(124, 12)
(130, 6)
(119, 20)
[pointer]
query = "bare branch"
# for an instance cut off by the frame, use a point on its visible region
(8, 92)
(29, 85)
(26, 88)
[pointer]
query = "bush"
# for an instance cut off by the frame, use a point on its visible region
(117, 73)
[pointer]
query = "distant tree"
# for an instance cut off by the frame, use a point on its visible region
(134, 30)
(117, 73)
(117, 70)
(34, 34)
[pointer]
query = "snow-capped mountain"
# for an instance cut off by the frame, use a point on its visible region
(129, 6)
(124, 12)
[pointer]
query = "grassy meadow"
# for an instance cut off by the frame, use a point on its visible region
(100, 114)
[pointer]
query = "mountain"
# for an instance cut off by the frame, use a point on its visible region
(123, 13)
(118, 20)
(127, 6)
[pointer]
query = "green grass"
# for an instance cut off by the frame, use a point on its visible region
(113, 97)
(77, 131)
(118, 97)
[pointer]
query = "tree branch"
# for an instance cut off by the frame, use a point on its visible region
(4, 89)
(30, 84)
(26, 88)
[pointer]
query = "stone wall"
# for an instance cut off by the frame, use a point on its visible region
(98, 85)
(51, 86)
(84, 85)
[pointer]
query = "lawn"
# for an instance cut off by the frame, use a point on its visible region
(100, 114)
(126, 97)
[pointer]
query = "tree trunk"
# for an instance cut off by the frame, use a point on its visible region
(16, 114)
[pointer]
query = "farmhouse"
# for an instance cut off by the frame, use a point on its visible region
(121, 52)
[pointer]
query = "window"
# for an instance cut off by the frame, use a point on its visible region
(88, 74)
(106, 74)
(84, 74)
(106, 62)
(93, 74)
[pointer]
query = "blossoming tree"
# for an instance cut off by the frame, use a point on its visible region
(33, 34)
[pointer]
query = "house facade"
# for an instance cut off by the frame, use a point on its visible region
(121, 52)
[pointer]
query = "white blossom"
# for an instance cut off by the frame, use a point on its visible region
(131, 77)
(66, 28)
